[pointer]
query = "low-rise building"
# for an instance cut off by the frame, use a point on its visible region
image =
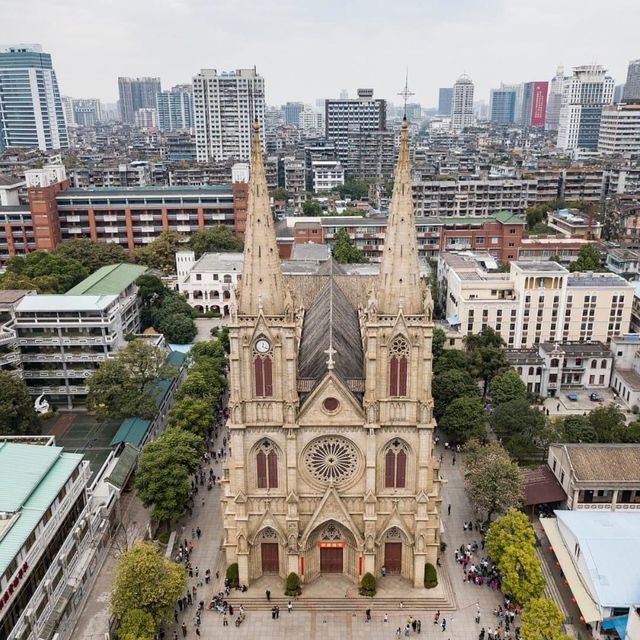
(625, 380)
(327, 175)
(624, 262)
(572, 223)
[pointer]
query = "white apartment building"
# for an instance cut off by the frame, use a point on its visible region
(311, 121)
(224, 107)
(462, 103)
(146, 118)
(620, 129)
(583, 98)
(208, 283)
(535, 302)
(326, 175)
(554, 100)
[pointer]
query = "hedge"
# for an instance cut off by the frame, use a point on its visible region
(430, 576)
(368, 585)
(292, 586)
(233, 575)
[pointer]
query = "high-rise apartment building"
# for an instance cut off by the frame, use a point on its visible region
(445, 101)
(518, 88)
(311, 121)
(224, 107)
(618, 92)
(620, 129)
(554, 100)
(292, 111)
(534, 104)
(346, 118)
(503, 105)
(175, 108)
(87, 112)
(632, 86)
(31, 112)
(137, 93)
(584, 95)
(462, 105)
(146, 118)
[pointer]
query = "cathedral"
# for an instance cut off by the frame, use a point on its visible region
(330, 411)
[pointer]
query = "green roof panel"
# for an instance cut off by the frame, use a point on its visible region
(110, 280)
(132, 430)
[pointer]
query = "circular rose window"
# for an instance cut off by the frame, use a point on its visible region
(330, 404)
(331, 459)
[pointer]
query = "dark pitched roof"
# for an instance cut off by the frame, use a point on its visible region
(541, 486)
(331, 319)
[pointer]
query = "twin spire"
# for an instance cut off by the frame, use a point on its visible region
(399, 286)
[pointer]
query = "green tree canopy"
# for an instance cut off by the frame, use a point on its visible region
(511, 529)
(92, 255)
(17, 416)
(151, 291)
(521, 427)
(449, 385)
(279, 193)
(215, 240)
(507, 386)
(438, 342)
(577, 429)
(191, 414)
(485, 353)
(137, 624)
(494, 483)
(451, 359)
(542, 620)
(161, 253)
(521, 574)
(344, 251)
(47, 272)
(356, 189)
(608, 422)
(464, 419)
(177, 328)
(311, 208)
(146, 581)
(588, 259)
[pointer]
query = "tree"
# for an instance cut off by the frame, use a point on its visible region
(588, 259)
(451, 359)
(178, 329)
(209, 348)
(493, 481)
(464, 419)
(279, 193)
(356, 189)
(144, 363)
(92, 255)
(542, 620)
(17, 416)
(191, 414)
(607, 422)
(311, 208)
(47, 272)
(507, 386)
(485, 352)
(161, 253)
(513, 528)
(215, 239)
(41, 284)
(137, 624)
(150, 289)
(345, 251)
(577, 429)
(162, 479)
(438, 342)
(521, 427)
(449, 385)
(148, 582)
(521, 574)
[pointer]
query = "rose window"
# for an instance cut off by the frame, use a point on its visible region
(331, 459)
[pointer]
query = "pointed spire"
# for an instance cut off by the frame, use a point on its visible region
(399, 284)
(262, 286)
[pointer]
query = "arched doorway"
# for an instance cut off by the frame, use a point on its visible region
(332, 550)
(393, 551)
(269, 551)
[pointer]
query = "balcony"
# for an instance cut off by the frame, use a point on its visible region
(63, 390)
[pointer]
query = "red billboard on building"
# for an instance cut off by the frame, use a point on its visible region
(539, 103)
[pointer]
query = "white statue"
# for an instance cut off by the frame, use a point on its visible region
(41, 406)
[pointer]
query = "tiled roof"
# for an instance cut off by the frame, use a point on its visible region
(605, 462)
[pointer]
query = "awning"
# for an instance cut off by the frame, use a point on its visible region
(453, 321)
(588, 608)
(617, 624)
(541, 486)
(123, 469)
(132, 430)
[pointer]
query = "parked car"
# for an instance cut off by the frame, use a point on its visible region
(573, 396)
(595, 397)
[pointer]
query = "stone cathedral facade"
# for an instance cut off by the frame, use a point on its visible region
(331, 416)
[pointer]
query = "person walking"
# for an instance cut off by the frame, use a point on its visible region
(398, 633)
(436, 617)
(184, 630)
(368, 615)
(444, 623)
(268, 594)
(225, 620)
(449, 510)
(386, 617)
(289, 606)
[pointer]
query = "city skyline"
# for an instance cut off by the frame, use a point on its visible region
(492, 42)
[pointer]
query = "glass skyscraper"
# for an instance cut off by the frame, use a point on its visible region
(175, 108)
(31, 113)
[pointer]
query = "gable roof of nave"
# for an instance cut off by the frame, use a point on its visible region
(305, 288)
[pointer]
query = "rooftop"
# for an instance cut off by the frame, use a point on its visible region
(10, 296)
(145, 191)
(310, 251)
(578, 348)
(604, 462)
(524, 357)
(110, 280)
(602, 280)
(53, 303)
(532, 267)
(216, 262)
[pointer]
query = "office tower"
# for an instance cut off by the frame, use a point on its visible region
(503, 105)
(310, 120)
(413, 111)
(175, 108)
(534, 103)
(632, 86)
(517, 113)
(146, 118)
(584, 95)
(292, 111)
(620, 129)
(345, 118)
(445, 100)
(618, 92)
(31, 112)
(137, 93)
(225, 106)
(554, 100)
(87, 112)
(462, 104)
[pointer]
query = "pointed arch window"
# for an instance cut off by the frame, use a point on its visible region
(395, 466)
(263, 369)
(267, 466)
(398, 364)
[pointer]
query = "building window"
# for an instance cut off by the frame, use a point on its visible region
(263, 375)
(267, 466)
(398, 367)
(603, 364)
(395, 466)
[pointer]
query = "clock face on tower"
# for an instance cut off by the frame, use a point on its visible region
(262, 345)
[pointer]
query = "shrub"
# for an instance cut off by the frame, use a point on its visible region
(292, 586)
(430, 576)
(368, 585)
(163, 538)
(233, 575)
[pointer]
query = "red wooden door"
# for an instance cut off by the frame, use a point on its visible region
(270, 558)
(393, 557)
(331, 559)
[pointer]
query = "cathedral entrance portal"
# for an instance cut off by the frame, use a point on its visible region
(393, 557)
(332, 550)
(270, 559)
(331, 559)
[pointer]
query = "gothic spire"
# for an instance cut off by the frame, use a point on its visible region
(399, 285)
(262, 286)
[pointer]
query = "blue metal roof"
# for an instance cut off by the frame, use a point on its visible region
(132, 430)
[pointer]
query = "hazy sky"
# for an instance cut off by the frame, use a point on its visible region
(310, 49)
